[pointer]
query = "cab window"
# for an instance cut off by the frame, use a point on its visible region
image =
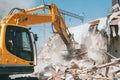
(19, 43)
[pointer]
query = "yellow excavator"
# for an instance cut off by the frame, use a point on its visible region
(17, 50)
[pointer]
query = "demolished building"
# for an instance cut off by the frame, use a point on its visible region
(98, 58)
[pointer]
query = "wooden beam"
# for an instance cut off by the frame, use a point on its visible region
(94, 22)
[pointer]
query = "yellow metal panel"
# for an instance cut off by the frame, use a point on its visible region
(7, 57)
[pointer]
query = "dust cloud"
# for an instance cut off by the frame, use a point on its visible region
(53, 52)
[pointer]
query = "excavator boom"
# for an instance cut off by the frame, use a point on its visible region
(25, 18)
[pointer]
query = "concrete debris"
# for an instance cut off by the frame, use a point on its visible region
(91, 63)
(74, 72)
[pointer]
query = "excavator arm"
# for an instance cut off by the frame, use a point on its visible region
(26, 17)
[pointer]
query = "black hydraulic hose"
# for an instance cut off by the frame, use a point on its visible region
(11, 12)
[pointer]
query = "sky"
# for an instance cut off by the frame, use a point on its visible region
(90, 9)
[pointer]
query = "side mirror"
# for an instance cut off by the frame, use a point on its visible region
(35, 37)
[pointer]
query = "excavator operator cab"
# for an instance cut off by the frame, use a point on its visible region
(19, 43)
(17, 54)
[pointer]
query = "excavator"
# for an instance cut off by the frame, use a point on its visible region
(17, 47)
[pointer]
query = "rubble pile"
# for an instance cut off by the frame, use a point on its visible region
(74, 72)
(91, 63)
